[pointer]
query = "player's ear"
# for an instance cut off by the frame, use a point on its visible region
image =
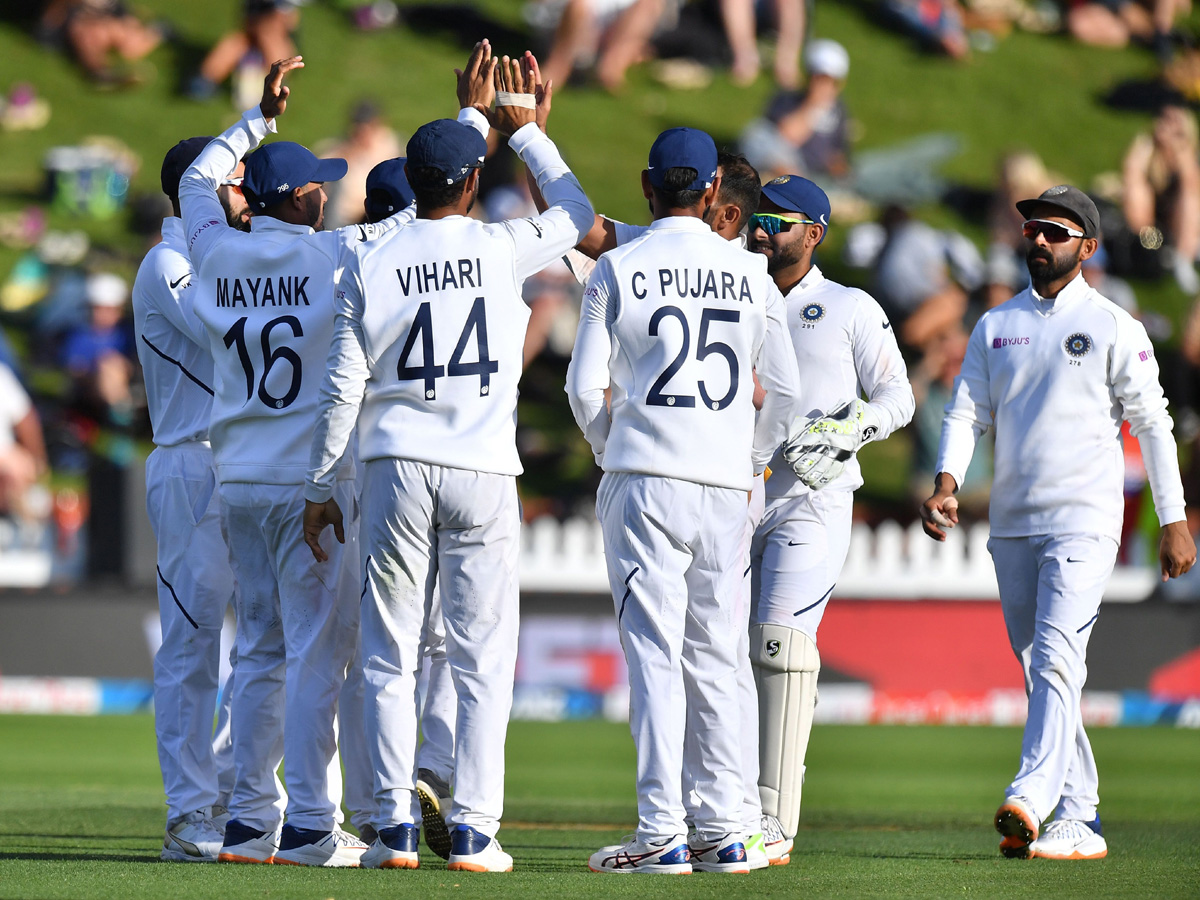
(815, 233)
(1088, 249)
(647, 188)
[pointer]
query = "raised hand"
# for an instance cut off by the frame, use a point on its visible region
(476, 83)
(542, 93)
(275, 92)
(518, 109)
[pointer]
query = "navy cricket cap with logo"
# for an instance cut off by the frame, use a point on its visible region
(798, 194)
(388, 190)
(448, 146)
(1073, 202)
(177, 161)
(683, 148)
(274, 171)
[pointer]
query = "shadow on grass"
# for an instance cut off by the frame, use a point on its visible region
(76, 856)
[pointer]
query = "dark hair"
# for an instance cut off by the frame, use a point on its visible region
(740, 184)
(673, 194)
(429, 187)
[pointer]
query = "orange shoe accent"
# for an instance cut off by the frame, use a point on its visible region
(275, 860)
(782, 861)
(470, 867)
(234, 858)
(1014, 821)
(400, 864)
(1074, 855)
(1015, 848)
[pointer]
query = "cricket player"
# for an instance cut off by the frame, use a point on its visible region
(428, 342)
(672, 514)
(737, 200)
(845, 349)
(1055, 371)
(195, 581)
(265, 300)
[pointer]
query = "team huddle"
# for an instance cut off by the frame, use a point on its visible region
(366, 379)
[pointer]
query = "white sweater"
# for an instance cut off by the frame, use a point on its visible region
(1055, 378)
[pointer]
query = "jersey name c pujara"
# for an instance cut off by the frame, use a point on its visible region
(698, 284)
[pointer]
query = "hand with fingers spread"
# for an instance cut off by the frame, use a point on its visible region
(316, 517)
(542, 92)
(275, 92)
(476, 83)
(515, 100)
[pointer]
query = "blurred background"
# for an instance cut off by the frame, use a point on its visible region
(924, 120)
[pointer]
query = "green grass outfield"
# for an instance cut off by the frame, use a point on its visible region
(889, 811)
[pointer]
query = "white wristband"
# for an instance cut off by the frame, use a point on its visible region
(507, 98)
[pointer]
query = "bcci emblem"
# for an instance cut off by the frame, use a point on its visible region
(782, 179)
(1078, 344)
(814, 312)
(772, 649)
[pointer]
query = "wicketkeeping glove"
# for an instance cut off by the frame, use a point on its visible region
(819, 448)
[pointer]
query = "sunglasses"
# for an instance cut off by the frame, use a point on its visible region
(774, 224)
(232, 181)
(1053, 232)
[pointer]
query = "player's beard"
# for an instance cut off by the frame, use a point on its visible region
(316, 209)
(1045, 267)
(790, 254)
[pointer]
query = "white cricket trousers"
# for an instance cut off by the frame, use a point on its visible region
(297, 621)
(428, 527)
(1050, 591)
(796, 558)
(439, 704)
(675, 560)
(195, 587)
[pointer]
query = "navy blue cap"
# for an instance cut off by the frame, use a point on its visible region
(449, 146)
(279, 168)
(177, 160)
(679, 148)
(388, 190)
(797, 194)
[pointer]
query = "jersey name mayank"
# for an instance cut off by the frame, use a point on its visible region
(440, 276)
(283, 290)
(699, 284)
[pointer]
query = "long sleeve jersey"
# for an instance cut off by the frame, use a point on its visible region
(845, 348)
(1055, 378)
(430, 332)
(177, 367)
(675, 320)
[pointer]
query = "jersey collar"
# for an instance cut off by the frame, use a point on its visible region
(680, 223)
(1072, 291)
(172, 231)
(811, 279)
(270, 223)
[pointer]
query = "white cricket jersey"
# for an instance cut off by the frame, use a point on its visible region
(175, 359)
(676, 320)
(266, 302)
(845, 348)
(431, 329)
(1055, 378)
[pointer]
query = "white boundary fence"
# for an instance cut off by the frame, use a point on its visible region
(887, 562)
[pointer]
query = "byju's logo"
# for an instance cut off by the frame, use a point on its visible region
(997, 343)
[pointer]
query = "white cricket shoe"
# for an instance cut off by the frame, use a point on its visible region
(756, 851)
(1018, 824)
(394, 848)
(194, 838)
(726, 854)
(434, 794)
(669, 856)
(473, 851)
(1070, 839)
(244, 844)
(779, 847)
(314, 847)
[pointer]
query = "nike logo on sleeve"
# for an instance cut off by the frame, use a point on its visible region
(536, 227)
(886, 324)
(175, 283)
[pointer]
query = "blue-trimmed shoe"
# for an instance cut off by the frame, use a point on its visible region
(244, 844)
(666, 857)
(335, 849)
(474, 851)
(726, 854)
(395, 848)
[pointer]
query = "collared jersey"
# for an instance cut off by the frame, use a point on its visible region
(676, 320)
(178, 370)
(845, 348)
(266, 301)
(431, 330)
(1055, 378)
